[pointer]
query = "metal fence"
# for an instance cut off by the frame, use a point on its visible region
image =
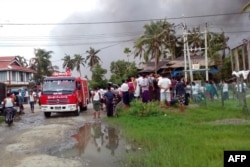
(239, 92)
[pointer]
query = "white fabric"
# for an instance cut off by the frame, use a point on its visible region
(9, 102)
(195, 89)
(31, 97)
(225, 87)
(96, 96)
(164, 83)
(124, 87)
(137, 89)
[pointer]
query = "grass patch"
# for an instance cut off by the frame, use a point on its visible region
(193, 139)
(1, 119)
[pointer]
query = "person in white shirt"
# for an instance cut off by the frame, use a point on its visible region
(32, 100)
(140, 80)
(125, 93)
(96, 97)
(225, 90)
(102, 101)
(165, 96)
(9, 102)
(145, 89)
(137, 88)
(195, 91)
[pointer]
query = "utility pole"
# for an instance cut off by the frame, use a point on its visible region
(189, 60)
(185, 52)
(206, 60)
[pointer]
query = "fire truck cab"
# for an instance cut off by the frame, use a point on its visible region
(64, 93)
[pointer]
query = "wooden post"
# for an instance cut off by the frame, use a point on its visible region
(236, 58)
(243, 57)
(231, 59)
(248, 54)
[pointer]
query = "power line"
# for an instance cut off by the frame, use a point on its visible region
(103, 47)
(74, 37)
(66, 44)
(125, 21)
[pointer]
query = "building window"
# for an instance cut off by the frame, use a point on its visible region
(27, 77)
(3, 76)
(13, 76)
(21, 77)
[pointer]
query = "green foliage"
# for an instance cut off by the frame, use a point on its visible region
(98, 78)
(144, 109)
(155, 41)
(92, 58)
(1, 119)
(122, 70)
(68, 62)
(41, 63)
(78, 62)
(196, 138)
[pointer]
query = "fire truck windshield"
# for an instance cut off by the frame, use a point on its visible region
(61, 85)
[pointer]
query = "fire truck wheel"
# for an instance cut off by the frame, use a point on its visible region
(47, 114)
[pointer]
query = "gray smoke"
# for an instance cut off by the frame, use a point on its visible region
(115, 11)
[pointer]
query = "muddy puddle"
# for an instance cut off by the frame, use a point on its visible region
(95, 144)
(62, 141)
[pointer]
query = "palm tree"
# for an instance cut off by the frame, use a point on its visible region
(155, 40)
(139, 51)
(41, 64)
(127, 51)
(195, 40)
(22, 60)
(92, 59)
(78, 61)
(68, 62)
(245, 7)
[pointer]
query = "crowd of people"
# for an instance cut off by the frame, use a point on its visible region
(152, 87)
(162, 88)
(15, 101)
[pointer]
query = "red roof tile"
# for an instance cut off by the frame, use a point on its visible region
(7, 58)
(9, 63)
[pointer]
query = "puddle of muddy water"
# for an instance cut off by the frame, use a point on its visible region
(95, 144)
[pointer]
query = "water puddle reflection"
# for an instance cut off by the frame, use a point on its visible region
(96, 144)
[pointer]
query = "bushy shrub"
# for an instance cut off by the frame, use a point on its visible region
(138, 108)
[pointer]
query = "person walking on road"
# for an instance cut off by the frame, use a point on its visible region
(109, 96)
(32, 100)
(96, 97)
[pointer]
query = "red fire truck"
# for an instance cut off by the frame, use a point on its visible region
(64, 93)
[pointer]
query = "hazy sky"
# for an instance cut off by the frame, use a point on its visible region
(72, 26)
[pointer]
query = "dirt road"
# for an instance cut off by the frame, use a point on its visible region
(64, 140)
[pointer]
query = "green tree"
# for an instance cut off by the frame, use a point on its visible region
(22, 60)
(41, 64)
(98, 77)
(78, 62)
(217, 46)
(127, 51)
(196, 40)
(92, 58)
(68, 62)
(155, 40)
(122, 70)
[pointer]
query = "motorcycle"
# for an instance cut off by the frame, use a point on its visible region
(9, 116)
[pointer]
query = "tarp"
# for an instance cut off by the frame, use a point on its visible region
(201, 71)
